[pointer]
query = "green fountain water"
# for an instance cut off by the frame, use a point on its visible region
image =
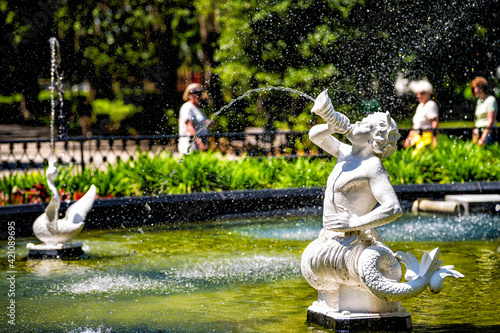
(237, 276)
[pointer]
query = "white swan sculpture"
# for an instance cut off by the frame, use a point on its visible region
(55, 232)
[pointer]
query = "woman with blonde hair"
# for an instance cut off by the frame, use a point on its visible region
(192, 120)
(426, 118)
(486, 112)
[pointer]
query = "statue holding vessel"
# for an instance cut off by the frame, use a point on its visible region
(357, 276)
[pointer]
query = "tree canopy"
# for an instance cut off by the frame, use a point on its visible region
(144, 52)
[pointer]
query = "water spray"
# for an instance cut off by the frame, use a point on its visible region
(251, 91)
(55, 86)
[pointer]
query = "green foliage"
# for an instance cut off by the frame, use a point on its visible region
(403, 168)
(142, 51)
(117, 110)
(147, 174)
(16, 98)
(11, 185)
(277, 44)
(198, 173)
(303, 172)
(355, 48)
(117, 180)
(453, 160)
(125, 50)
(164, 174)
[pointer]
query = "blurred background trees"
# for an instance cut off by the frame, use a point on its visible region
(132, 59)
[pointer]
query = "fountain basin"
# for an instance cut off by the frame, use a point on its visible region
(237, 276)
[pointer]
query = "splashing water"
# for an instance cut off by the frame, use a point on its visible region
(187, 278)
(160, 192)
(55, 86)
(100, 329)
(249, 92)
(442, 228)
(420, 228)
(269, 88)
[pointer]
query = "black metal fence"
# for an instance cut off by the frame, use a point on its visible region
(23, 155)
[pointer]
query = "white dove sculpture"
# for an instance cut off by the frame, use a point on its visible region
(53, 231)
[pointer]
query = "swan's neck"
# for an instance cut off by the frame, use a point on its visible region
(52, 210)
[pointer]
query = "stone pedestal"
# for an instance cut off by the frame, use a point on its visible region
(359, 322)
(44, 251)
(351, 309)
(354, 299)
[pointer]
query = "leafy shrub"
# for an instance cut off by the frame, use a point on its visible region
(451, 161)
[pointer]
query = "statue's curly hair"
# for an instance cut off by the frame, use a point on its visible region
(385, 134)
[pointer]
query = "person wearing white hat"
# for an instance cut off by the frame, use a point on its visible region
(426, 118)
(192, 120)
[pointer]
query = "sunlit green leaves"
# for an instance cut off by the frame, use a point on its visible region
(149, 174)
(451, 161)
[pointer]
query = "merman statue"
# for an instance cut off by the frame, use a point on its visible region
(55, 233)
(358, 277)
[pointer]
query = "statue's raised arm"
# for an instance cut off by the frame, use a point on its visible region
(336, 122)
(359, 180)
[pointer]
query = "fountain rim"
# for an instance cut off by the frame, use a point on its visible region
(140, 211)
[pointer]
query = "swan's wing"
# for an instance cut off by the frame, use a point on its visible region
(77, 212)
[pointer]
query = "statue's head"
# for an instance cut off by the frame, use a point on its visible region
(385, 133)
(51, 172)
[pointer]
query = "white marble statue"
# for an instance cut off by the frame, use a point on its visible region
(353, 271)
(55, 232)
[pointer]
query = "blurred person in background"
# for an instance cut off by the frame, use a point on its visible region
(486, 112)
(192, 120)
(426, 119)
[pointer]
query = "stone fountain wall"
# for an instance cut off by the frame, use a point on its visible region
(111, 213)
